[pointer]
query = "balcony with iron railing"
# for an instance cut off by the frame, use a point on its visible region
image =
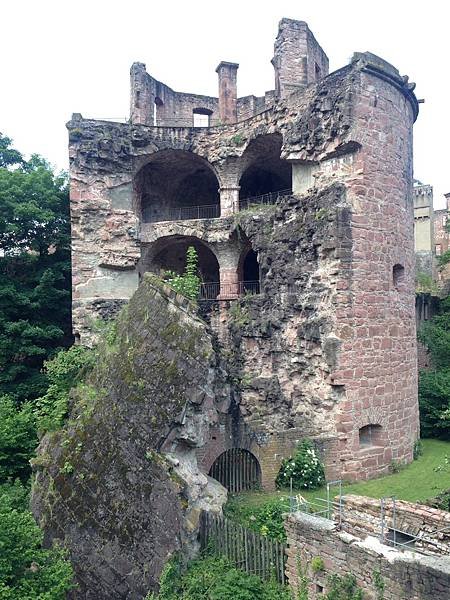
(209, 211)
(227, 291)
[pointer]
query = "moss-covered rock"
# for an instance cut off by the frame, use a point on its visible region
(119, 484)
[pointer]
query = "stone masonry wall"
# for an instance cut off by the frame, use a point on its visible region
(406, 575)
(361, 516)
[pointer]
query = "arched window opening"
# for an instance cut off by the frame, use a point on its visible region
(237, 469)
(202, 117)
(177, 185)
(370, 435)
(250, 273)
(157, 111)
(265, 173)
(398, 275)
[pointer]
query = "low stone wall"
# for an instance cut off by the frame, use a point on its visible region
(406, 575)
(362, 516)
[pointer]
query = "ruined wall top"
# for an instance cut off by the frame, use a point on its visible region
(298, 59)
(298, 62)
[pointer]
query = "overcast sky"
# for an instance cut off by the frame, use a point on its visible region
(60, 57)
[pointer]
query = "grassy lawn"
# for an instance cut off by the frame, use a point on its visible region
(417, 482)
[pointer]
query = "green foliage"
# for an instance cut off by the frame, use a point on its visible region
(443, 259)
(434, 386)
(434, 403)
(302, 581)
(266, 519)
(214, 578)
(304, 469)
(18, 439)
(426, 284)
(34, 270)
(187, 284)
(27, 571)
(378, 584)
(343, 588)
(317, 564)
(65, 371)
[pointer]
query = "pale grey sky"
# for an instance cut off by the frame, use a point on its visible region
(60, 57)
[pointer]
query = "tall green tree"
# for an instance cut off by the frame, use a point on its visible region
(34, 270)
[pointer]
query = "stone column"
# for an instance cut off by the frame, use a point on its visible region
(229, 200)
(227, 91)
(228, 256)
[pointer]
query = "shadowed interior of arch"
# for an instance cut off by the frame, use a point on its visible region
(176, 185)
(237, 470)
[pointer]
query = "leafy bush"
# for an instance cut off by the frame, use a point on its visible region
(214, 578)
(64, 372)
(27, 571)
(343, 588)
(266, 519)
(18, 439)
(187, 284)
(304, 468)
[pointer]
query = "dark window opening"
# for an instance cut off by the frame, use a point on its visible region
(370, 435)
(137, 103)
(319, 588)
(250, 272)
(318, 71)
(237, 470)
(398, 275)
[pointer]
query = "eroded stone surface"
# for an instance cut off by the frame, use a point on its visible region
(120, 485)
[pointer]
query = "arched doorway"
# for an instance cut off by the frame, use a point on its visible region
(169, 254)
(177, 185)
(237, 470)
(249, 273)
(264, 172)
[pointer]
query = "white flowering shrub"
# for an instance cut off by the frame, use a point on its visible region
(304, 468)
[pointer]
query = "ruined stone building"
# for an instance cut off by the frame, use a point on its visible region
(300, 206)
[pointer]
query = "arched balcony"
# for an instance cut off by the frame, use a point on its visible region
(177, 185)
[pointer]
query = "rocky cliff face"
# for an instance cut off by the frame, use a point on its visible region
(119, 485)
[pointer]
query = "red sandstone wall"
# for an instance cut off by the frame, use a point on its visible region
(376, 319)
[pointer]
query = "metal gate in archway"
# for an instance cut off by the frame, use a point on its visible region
(237, 470)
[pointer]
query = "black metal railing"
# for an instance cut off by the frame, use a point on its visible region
(228, 291)
(269, 198)
(183, 213)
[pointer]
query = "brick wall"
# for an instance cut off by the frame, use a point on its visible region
(406, 575)
(362, 516)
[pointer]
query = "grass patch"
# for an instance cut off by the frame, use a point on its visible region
(417, 482)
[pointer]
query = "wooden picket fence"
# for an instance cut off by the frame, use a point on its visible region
(245, 549)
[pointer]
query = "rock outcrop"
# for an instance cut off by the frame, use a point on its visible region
(119, 484)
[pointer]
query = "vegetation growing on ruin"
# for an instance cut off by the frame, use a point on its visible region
(434, 384)
(303, 470)
(187, 284)
(214, 578)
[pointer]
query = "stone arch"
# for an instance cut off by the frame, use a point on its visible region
(237, 469)
(262, 170)
(176, 184)
(169, 254)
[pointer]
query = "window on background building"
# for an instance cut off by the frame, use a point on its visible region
(438, 249)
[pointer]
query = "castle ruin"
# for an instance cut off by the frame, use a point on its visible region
(299, 204)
